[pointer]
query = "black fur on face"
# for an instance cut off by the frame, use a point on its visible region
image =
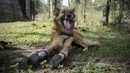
(65, 17)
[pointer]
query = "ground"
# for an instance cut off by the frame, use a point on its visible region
(111, 57)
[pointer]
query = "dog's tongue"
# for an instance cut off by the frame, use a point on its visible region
(66, 24)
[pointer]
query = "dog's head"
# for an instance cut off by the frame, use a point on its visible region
(64, 18)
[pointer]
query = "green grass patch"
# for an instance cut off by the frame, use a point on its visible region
(25, 32)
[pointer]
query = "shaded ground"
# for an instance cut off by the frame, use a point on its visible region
(111, 57)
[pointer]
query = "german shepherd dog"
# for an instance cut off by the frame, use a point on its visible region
(63, 34)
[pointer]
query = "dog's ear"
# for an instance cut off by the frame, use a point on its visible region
(56, 11)
(73, 10)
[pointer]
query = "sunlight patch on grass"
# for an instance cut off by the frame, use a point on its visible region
(25, 32)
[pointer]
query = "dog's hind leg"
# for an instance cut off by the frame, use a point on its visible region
(79, 39)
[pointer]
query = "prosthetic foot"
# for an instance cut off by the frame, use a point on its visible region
(35, 58)
(56, 60)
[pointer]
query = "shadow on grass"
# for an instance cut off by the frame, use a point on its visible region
(9, 53)
(114, 50)
(6, 55)
(21, 34)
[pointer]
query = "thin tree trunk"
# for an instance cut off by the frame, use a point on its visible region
(120, 17)
(14, 10)
(50, 8)
(22, 4)
(69, 3)
(105, 17)
(28, 9)
(77, 7)
(55, 4)
(120, 12)
(85, 7)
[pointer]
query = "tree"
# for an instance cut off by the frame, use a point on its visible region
(98, 4)
(106, 10)
(69, 2)
(57, 3)
(52, 5)
(22, 4)
(30, 8)
(50, 9)
(77, 9)
(84, 9)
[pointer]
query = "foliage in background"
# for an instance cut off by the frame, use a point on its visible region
(98, 4)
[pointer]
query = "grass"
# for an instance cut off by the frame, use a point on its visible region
(25, 32)
(111, 57)
(113, 51)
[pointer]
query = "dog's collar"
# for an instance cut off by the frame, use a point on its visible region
(65, 34)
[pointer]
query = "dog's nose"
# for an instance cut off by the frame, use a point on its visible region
(69, 16)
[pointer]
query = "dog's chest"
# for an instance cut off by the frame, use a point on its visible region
(65, 36)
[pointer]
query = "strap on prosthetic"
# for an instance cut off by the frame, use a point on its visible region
(63, 54)
(43, 54)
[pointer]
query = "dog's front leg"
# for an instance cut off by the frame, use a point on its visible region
(57, 41)
(56, 59)
(36, 57)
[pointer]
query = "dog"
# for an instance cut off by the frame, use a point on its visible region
(63, 34)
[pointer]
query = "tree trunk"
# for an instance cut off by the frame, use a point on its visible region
(85, 7)
(13, 4)
(77, 9)
(121, 12)
(105, 16)
(22, 4)
(56, 3)
(78, 1)
(69, 3)
(28, 9)
(120, 17)
(50, 8)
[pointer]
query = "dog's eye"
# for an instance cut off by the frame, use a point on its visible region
(69, 16)
(74, 15)
(63, 11)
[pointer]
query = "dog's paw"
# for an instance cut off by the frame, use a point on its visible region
(55, 61)
(34, 59)
(96, 43)
(85, 49)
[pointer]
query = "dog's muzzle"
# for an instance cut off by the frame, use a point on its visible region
(67, 21)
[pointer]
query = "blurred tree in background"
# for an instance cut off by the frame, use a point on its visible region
(30, 8)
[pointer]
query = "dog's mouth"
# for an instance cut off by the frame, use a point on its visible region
(67, 24)
(67, 21)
